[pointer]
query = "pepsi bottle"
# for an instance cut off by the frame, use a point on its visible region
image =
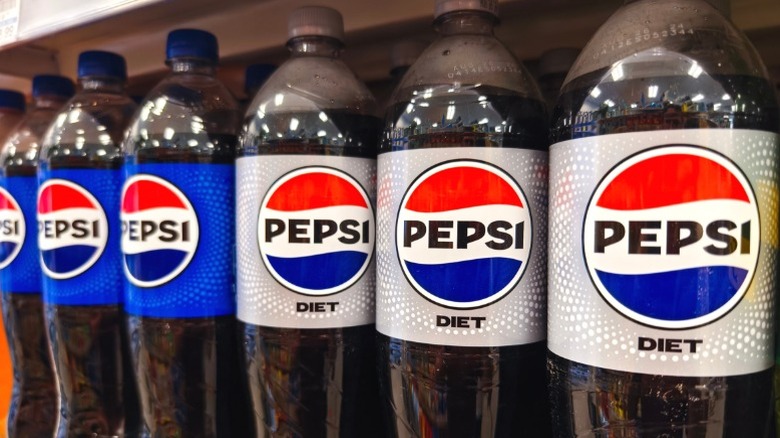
(10, 115)
(663, 231)
(33, 408)
(461, 272)
(79, 180)
(178, 242)
(305, 216)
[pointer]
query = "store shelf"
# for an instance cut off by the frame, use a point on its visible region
(255, 31)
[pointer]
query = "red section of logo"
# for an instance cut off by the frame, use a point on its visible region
(315, 190)
(461, 187)
(671, 179)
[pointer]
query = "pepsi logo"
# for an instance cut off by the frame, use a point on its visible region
(12, 228)
(72, 229)
(316, 231)
(464, 234)
(671, 237)
(159, 231)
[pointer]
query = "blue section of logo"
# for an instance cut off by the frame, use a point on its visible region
(102, 284)
(23, 275)
(466, 281)
(323, 271)
(7, 249)
(206, 287)
(154, 265)
(658, 295)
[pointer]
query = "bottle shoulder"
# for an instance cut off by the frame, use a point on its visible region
(88, 130)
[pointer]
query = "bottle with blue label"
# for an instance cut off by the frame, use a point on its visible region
(11, 112)
(33, 409)
(178, 248)
(79, 180)
(461, 238)
(664, 229)
(306, 184)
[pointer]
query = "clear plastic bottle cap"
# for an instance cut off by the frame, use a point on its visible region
(192, 43)
(11, 99)
(404, 53)
(52, 85)
(316, 21)
(446, 6)
(557, 60)
(100, 63)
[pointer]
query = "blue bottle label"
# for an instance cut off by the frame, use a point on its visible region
(20, 270)
(178, 239)
(78, 236)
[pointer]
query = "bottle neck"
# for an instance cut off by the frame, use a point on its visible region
(315, 46)
(49, 102)
(466, 23)
(193, 66)
(104, 84)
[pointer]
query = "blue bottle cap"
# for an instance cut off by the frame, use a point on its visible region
(100, 63)
(11, 99)
(52, 85)
(256, 75)
(192, 43)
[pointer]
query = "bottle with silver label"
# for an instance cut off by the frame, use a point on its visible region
(663, 230)
(461, 238)
(305, 184)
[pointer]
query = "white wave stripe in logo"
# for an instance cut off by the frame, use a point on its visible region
(456, 231)
(666, 234)
(315, 236)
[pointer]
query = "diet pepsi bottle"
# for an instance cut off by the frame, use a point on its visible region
(178, 242)
(461, 273)
(663, 231)
(33, 409)
(305, 225)
(79, 180)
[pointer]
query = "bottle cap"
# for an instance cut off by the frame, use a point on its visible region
(316, 21)
(11, 99)
(52, 85)
(192, 43)
(256, 75)
(100, 63)
(447, 6)
(404, 53)
(557, 60)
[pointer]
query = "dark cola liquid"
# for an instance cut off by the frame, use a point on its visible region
(90, 348)
(190, 379)
(33, 409)
(315, 382)
(602, 403)
(453, 391)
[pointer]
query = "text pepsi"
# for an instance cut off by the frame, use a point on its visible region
(662, 267)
